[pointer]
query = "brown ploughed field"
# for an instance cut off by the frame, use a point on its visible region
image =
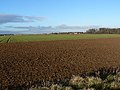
(25, 62)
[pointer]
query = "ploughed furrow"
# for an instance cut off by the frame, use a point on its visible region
(5, 39)
(29, 62)
(8, 40)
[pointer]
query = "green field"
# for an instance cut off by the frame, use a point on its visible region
(49, 37)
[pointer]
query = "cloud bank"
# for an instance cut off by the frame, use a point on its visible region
(49, 29)
(12, 18)
(63, 26)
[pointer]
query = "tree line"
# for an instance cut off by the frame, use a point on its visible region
(104, 31)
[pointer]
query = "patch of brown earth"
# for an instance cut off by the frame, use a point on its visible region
(22, 63)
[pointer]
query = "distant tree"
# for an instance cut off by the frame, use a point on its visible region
(104, 31)
(91, 31)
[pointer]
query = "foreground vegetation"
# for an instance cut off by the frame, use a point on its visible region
(110, 82)
(49, 37)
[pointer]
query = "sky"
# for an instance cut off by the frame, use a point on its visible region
(58, 15)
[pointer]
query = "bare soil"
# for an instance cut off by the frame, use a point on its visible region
(27, 62)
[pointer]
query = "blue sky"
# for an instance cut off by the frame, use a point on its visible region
(57, 12)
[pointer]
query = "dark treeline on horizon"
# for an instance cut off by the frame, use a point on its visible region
(6, 34)
(104, 31)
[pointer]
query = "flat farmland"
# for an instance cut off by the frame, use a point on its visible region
(25, 62)
(53, 37)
